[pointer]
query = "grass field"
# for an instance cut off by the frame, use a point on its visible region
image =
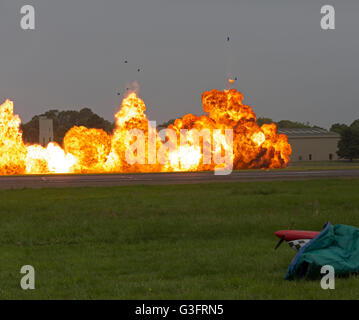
(323, 165)
(211, 241)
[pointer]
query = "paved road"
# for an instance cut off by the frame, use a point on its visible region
(16, 182)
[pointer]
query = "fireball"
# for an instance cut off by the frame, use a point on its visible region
(90, 147)
(136, 146)
(12, 149)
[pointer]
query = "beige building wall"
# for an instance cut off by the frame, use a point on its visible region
(46, 131)
(314, 148)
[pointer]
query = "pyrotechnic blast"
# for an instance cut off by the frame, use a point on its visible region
(135, 146)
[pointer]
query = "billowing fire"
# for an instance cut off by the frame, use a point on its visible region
(228, 137)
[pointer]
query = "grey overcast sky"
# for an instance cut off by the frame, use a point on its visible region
(287, 66)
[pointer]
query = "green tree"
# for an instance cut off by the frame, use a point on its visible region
(30, 131)
(288, 124)
(355, 125)
(166, 124)
(64, 121)
(338, 127)
(262, 120)
(348, 146)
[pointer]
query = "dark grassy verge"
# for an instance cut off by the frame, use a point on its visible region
(323, 165)
(211, 241)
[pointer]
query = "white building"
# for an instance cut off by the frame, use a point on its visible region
(46, 131)
(312, 144)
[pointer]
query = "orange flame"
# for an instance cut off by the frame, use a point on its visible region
(93, 150)
(12, 149)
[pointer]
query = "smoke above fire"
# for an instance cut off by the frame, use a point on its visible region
(227, 137)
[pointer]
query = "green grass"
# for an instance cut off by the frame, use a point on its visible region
(323, 165)
(211, 241)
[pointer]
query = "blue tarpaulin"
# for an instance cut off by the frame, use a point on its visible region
(337, 246)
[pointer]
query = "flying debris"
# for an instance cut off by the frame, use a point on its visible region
(118, 93)
(138, 70)
(227, 38)
(125, 61)
(235, 79)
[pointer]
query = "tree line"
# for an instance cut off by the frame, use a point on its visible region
(348, 146)
(63, 121)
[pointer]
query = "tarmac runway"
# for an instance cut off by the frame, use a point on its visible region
(96, 180)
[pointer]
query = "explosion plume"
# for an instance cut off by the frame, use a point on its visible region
(95, 151)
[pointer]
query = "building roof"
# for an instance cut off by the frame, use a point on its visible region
(308, 132)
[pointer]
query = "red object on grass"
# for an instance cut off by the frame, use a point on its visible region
(290, 235)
